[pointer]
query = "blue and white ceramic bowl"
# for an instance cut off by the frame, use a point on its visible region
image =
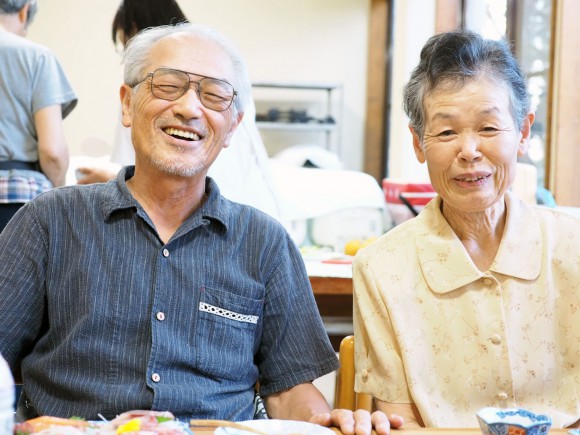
(512, 421)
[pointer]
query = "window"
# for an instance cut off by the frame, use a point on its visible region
(527, 25)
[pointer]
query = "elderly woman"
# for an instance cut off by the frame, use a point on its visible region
(475, 302)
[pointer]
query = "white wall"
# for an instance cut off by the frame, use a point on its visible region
(298, 40)
(414, 24)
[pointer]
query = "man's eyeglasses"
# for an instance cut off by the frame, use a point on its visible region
(170, 84)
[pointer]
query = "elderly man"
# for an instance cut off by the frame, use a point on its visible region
(152, 291)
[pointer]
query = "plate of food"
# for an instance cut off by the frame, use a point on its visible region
(274, 427)
(131, 422)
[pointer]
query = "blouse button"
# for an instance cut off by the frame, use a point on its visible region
(160, 316)
(496, 339)
(487, 281)
(502, 396)
(155, 377)
(166, 252)
(365, 373)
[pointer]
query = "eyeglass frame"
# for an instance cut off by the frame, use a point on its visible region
(188, 87)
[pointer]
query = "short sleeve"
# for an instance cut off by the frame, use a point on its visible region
(379, 369)
(51, 86)
(295, 346)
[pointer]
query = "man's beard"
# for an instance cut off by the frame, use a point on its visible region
(174, 165)
(178, 168)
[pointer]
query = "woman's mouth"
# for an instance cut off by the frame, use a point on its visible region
(472, 180)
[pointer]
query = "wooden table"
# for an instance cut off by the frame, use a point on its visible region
(470, 431)
(331, 285)
(421, 431)
(332, 288)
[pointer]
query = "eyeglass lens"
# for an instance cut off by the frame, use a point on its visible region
(170, 84)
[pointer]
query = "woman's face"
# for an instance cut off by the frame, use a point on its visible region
(471, 143)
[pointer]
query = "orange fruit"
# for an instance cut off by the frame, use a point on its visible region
(352, 246)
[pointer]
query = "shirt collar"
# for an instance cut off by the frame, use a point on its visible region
(215, 208)
(520, 251)
(445, 263)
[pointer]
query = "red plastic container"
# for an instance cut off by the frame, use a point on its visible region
(406, 199)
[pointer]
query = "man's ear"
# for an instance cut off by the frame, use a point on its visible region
(23, 13)
(126, 94)
(235, 123)
(417, 145)
(21, 27)
(526, 132)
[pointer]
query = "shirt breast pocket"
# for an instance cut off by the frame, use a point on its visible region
(226, 333)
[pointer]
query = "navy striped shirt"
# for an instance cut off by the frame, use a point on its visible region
(103, 317)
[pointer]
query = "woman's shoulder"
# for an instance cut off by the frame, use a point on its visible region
(559, 226)
(393, 243)
(558, 217)
(401, 240)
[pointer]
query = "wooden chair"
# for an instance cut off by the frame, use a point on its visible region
(344, 394)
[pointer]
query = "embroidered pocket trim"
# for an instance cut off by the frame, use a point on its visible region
(212, 309)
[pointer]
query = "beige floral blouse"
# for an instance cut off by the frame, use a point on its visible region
(433, 330)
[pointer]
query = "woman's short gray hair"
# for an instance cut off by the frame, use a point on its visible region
(455, 58)
(138, 49)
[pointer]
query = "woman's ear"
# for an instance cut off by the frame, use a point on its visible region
(526, 132)
(417, 145)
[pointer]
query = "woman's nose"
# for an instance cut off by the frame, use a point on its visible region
(470, 148)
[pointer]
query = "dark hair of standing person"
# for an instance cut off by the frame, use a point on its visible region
(135, 15)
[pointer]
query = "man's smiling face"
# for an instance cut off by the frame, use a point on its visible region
(180, 137)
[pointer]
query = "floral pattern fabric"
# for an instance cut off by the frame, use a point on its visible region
(432, 329)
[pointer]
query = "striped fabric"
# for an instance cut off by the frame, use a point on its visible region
(105, 317)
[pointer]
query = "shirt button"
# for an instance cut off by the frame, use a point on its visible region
(155, 377)
(166, 252)
(487, 281)
(502, 396)
(160, 316)
(365, 373)
(495, 338)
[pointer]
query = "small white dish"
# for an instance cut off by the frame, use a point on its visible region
(496, 421)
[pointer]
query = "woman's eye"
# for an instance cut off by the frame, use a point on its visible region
(489, 129)
(446, 133)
